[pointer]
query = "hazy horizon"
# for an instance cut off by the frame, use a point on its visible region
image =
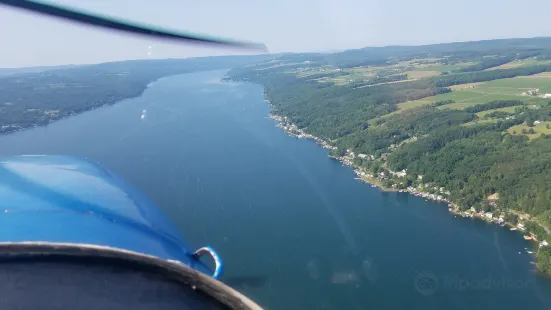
(284, 26)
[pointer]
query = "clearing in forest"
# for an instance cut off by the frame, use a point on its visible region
(465, 86)
(466, 95)
(506, 109)
(539, 129)
(521, 63)
(421, 74)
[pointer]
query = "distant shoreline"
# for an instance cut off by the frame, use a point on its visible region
(14, 129)
(9, 129)
(292, 130)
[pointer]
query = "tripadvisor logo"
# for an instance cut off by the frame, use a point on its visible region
(427, 283)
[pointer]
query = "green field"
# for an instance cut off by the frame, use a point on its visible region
(480, 121)
(305, 72)
(460, 105)
(539, 129)
(533, 62)
(506, 109)
(516, 85)
(457, 96)
(275, 65)
(360, 74)
(522, 63)
(444, 68)
(340, 81)
(504, 89)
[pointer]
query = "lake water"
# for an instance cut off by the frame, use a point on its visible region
(280, 212)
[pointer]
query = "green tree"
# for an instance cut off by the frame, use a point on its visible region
(544, 259)
(510, 218)
(469, 161)
(486, 207)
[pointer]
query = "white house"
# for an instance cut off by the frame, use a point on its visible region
(402, 173)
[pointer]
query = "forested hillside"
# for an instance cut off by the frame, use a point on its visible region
(30, 98)
(468, 122)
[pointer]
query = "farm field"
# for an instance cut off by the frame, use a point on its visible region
(460, 105)
(444, 68)
(457, 96)
(480, 121)
(506, 109)
(521, 63)
(421, 74)
(539, 129)
(476, 93)
(412, 68)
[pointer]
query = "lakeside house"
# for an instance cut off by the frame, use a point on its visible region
(400, 174)
(293, 130)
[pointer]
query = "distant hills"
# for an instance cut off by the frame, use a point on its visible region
(464, 122)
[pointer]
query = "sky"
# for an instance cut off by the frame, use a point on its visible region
(283, 25)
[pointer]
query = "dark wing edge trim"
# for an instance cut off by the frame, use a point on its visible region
(110, 23)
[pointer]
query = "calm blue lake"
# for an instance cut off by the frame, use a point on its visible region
(283, 214)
